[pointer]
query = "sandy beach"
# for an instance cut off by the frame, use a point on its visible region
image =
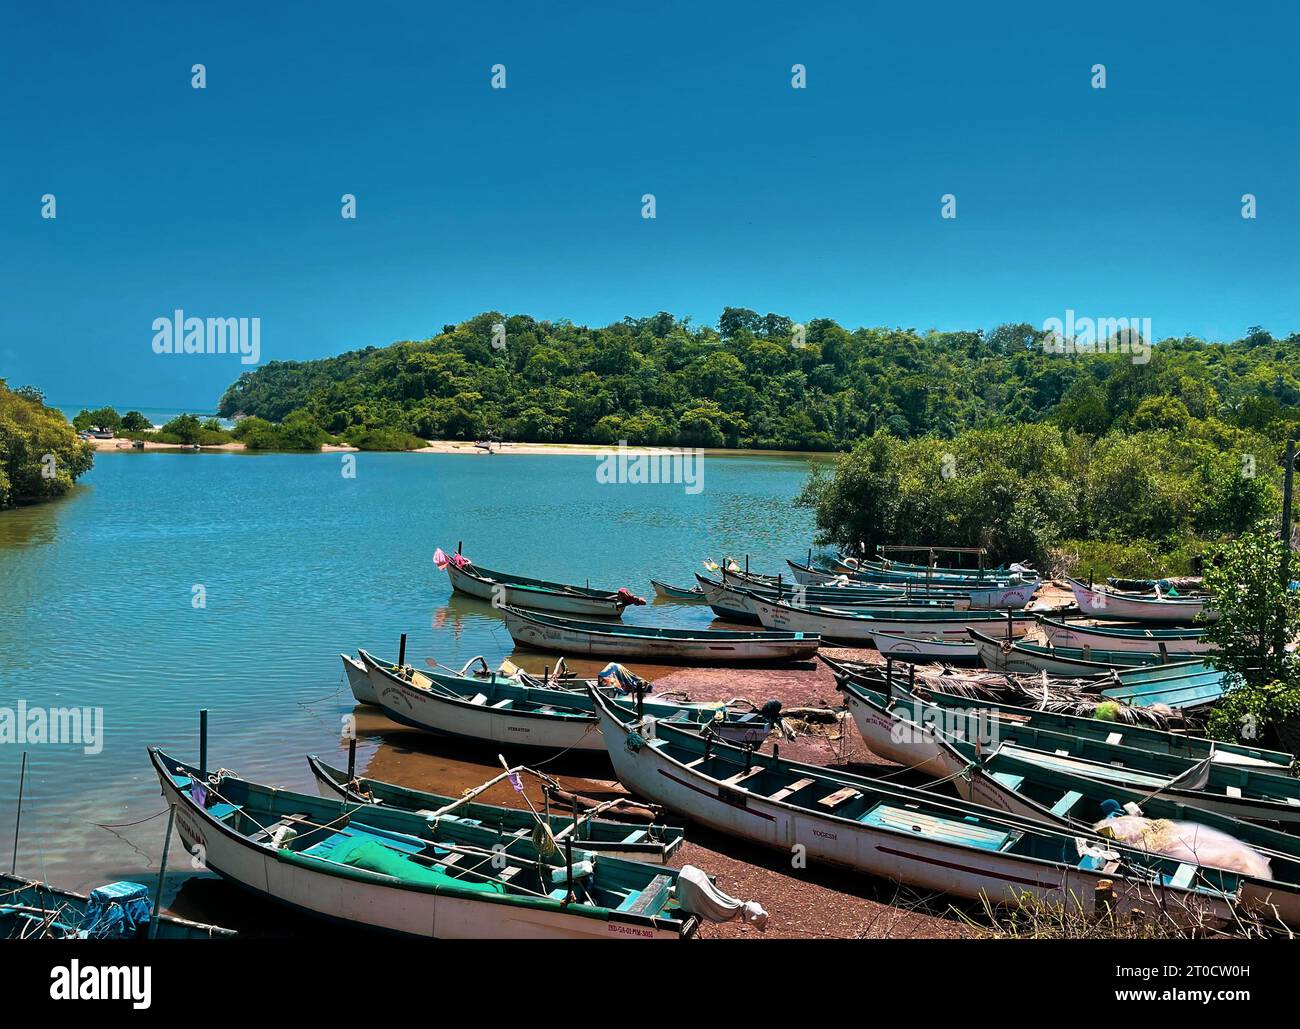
(106, 446)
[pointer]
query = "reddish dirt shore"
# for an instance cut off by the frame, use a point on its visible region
(808, 903)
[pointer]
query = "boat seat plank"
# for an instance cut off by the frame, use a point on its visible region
(841, 796)
(695, 763)
(794, 787)
(741, 776)
(1183, 876)
(1062, 807)
(1011, 782)
(648, 899)
(503, 703)
(949, 830)
(478, 698)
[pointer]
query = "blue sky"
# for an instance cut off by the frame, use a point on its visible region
(825, 201)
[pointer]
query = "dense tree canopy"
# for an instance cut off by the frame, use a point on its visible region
(40, 454)
(761, 381)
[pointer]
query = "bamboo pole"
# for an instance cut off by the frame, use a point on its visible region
(162, 870)
(18, 817)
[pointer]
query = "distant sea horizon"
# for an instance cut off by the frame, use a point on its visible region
(156, 415)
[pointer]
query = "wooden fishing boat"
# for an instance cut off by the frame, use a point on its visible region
(648, 643)
(815, 577)
(1106, 603)
(1187, 685)
(940, 743)
(1122, 734)
(908, 648)
(896, 832)
(1113, 637)
(853, 565)
(1134, 736)
(665, 591)
(508, 712)
(381, 868)
(736, 604)
(903, 593)
(858, 627)
(502, 589)
(358, 680)
(1238, 791)
(33, 910)
(1028, 658)
(655, 843)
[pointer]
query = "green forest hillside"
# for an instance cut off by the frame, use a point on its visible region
(758, 382)
(1088, 461)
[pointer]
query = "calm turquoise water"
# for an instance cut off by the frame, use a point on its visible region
(299, 563)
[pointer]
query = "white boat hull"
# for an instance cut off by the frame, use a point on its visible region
(861, 629)
(427, 710)
(1079, 637)
(912, 746)
(500, 595)
(1104, 604)
(996, 659)
(359, 681)
(375, 904)
(542, 636)
(890, 854)
(908, 648)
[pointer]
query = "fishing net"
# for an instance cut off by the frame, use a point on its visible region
(1054, 694)
(1189, 842)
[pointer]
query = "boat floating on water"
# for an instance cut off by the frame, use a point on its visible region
(502, 589)
(686, 594)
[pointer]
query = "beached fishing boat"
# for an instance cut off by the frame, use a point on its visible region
(1113, 637)
(816, 577)
(1100, 602)
(381, 868)
(649, 842)
(649, 643)
(508, 712)
(1187, 685)
(940, 743)
(33, 910)
(860, 626)
(908, 648)
(1130, 735)
(839, 591)
(736, 604)
(664, 591)
(502, 589)
(1029, 658)
(1248, 792)
(898, 833)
